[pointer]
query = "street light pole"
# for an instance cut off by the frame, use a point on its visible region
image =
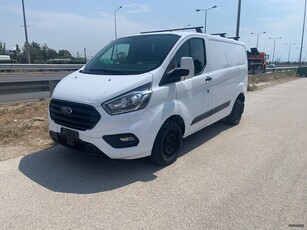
(258, 37)
(289, 50)
(115, 20)
(205, 15)
(274, 47)
(302, 42)
(26, 32)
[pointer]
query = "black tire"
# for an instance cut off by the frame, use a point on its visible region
(236, 113)
(167, 145)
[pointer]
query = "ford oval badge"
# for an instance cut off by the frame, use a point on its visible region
(66, 110)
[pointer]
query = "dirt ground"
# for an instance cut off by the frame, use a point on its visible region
(261, 81)
(24, 126)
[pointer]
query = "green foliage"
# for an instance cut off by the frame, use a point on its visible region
(40, 54)
(36, 53)
(64, 54)
(66, 61)
(8, 61)
(2, 49)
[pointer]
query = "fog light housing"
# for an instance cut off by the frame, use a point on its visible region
(124, 140)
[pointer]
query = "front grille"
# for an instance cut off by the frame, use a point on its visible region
(73, 115)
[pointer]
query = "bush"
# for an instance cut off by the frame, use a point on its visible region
(65, 62)
(8, 61)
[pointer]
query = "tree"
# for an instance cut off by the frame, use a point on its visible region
(17, 53)
(65, 54)
(42, 53)
(2, 48)
(45, 51)
(36, 52)
(17, 49)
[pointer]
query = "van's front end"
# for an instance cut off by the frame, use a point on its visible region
(108, 106)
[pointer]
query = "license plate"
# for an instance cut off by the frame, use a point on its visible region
(70, 135)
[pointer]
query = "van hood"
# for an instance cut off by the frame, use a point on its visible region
(96, 89)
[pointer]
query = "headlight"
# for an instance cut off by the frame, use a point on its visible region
(134, 100)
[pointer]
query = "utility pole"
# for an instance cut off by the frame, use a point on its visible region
(26, 32)
(238, 21)
(85, 58)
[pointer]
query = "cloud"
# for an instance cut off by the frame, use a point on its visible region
(126, 9)
(136, 8)
(72, 31)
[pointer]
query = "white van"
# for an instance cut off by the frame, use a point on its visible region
(141, 95)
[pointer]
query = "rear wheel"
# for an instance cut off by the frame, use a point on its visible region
(236, 113)
(167, 145)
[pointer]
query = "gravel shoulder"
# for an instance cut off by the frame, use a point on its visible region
(24, 126)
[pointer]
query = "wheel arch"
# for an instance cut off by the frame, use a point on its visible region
(175, 119)
(241, 97)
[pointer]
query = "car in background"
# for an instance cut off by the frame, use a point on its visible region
(272, 66)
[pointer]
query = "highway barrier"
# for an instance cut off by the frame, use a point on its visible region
(27, 87)
(281, 69)
(19, 87)
(39, 67)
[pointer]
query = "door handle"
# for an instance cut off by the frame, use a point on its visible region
(208, 79)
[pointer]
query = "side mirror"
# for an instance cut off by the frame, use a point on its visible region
(174, 75)
(180, 72)
(187, 64)
(185, 71)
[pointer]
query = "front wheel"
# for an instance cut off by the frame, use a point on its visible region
(236, 113)
(167, 145)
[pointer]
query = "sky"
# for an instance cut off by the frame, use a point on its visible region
(78, 24)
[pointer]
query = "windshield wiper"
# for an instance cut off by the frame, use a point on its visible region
(103, 71)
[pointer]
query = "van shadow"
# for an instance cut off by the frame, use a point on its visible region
(61, 169)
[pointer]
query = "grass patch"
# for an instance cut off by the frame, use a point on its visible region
(23, 123)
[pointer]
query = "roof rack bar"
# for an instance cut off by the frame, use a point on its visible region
(235, 38)
(197, 28)
(221, 34)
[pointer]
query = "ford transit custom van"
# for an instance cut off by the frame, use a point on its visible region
(142, 94)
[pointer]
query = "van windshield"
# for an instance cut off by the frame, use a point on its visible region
(131, 55)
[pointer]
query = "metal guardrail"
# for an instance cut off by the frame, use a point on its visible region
(39, 67)
(7, 88)
(272, 70)
(27, 87)
(279, 69)
(73, 67)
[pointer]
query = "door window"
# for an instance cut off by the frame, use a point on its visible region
(197, 49)
(194, 48)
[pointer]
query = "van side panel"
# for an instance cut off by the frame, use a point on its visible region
(229, 76)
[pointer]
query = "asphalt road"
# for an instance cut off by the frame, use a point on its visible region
(252, 176)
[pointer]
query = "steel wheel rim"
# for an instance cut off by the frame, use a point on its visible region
(170, 145)
(238, 112)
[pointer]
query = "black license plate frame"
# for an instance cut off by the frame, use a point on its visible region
(70, 135)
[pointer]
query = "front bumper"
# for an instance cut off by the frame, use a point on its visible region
(143, 124)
